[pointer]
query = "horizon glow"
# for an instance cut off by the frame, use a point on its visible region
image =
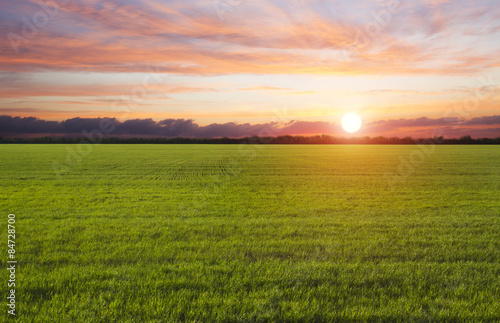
(241, 61)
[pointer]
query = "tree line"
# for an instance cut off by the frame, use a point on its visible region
(297, 140)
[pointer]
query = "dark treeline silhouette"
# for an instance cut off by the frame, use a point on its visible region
(298, 140)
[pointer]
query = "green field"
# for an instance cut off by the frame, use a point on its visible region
(242, 233)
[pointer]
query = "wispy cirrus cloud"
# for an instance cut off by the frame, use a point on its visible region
(279, 90)
(39, 89)
(191, 39)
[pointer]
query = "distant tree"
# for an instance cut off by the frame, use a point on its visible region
(465, 140)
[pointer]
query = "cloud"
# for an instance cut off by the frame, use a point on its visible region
(17, 126)
(410, 123)
(13, 88)
(309, 127)
(278, 90)
(265, 88)
(135, 127)
(297, 37)
(425, 127)
(487, 120)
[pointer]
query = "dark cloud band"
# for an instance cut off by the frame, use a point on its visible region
(29, 126)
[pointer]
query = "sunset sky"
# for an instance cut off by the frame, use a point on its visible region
(406, 67)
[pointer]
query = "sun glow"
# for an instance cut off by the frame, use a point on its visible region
(351, 122)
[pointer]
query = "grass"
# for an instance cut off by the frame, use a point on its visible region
(230, 233)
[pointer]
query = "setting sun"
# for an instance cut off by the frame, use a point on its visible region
(351, 122)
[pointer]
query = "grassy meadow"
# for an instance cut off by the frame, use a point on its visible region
(253, 233)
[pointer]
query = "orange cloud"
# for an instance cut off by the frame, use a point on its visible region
(114, 36)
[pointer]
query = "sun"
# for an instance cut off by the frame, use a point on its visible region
(351, 122)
